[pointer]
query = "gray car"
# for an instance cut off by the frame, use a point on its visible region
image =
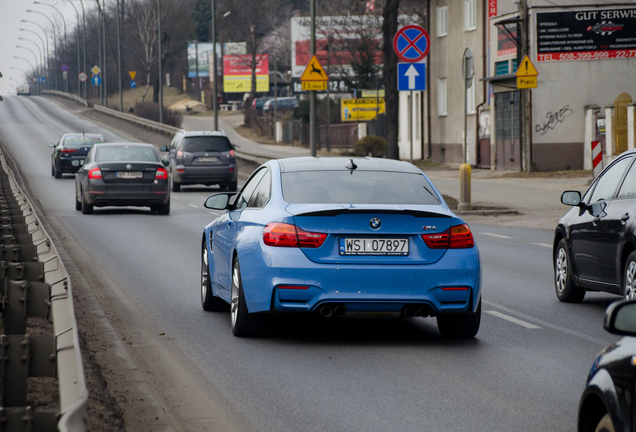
(201, 157)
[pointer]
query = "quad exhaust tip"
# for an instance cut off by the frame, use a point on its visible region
(326, 311)
(411, 311)
(338, 311)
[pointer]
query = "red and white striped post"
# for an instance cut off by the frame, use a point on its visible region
(597, 158)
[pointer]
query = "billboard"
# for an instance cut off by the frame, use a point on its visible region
(205, 56)
(237, 76)
(333, 37)
(594, 34)
(361, 109)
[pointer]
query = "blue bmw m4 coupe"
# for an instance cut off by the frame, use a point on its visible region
(339, 237)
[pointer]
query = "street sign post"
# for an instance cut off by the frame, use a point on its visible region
(83, 76)
(65, 67)
(468, 72)
(132, 74)
(411, 44)
(314, 77)
(133, 86)
(96, 80)
(526, 74)
(96, 70)
(411, 76)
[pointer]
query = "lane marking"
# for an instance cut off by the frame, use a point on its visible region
(497, 235)
(513, 320)
(194, 206)
(175, 197)
(542, 244)
(546, 324)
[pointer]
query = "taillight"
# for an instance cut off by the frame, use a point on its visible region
(287, 235)
(456, 237)
(179, 153)
(231, 152)
(161, 174)
(68, 151)
(94, 174)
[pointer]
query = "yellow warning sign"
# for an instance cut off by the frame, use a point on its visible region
(361, 109)
(526, 68)
(132, 74)
(527, 82)
(314, 71)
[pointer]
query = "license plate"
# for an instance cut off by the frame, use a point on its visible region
(374, 246)
(77, 162)
(129, 174)
(208, 159)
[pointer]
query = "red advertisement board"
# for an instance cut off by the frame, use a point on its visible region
(240, 65)
(492, 8)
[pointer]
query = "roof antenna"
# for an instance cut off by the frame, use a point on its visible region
(351, 166)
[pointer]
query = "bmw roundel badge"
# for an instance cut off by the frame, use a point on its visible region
(375, 223)
(128, 166)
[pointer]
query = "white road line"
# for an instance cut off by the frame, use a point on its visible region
(513, 320)
(497, 235)
(193, 205)
(175, 197)
(542, 244)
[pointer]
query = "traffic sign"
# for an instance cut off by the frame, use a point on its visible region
(96, 69)
(64, 75)
(411, 76)
(411, 43)
(526, 68)
(133, 84)
(526, 82)
(314, 85)
(132, 74)
(314, 71)
(65, 67)
(41, 79)
(96, 80)
(83, 76)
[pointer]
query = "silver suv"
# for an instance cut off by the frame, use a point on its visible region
(201, 157)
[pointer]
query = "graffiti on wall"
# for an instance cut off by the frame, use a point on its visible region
(553, 118)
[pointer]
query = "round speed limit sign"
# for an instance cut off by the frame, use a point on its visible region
(83, 77)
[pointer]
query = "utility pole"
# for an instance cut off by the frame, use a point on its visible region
(105, 67)
(119, 71)
(526, 131)
(312, 94)
(160, 60)
(215, 75)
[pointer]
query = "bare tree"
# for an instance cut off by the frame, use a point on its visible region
(144, 16)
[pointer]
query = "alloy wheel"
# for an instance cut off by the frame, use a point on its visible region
(630, 281)
(204, 274)
(561, 269)
(235, 293)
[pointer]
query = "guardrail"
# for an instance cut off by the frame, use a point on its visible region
(34, 283)
(68, 96)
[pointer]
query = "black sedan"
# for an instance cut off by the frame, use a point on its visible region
(70, 151)
(122, 174)
(607, 404)
(594, 243)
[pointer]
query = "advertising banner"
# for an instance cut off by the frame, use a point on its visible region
(205, 56)
(595, 34)
(506, 45)
(238, 73)
(362, 109)
(492, 8)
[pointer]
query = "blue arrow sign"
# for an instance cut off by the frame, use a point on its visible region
(41, 79)
(133, 84)
(96, 80)
(411, 76)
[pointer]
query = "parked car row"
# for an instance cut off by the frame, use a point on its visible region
(265, 105)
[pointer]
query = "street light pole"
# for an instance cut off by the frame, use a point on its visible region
(54, 37)
(526, 137)
(160, 60)
(35, 68)
(119, 71)
(312, 94)
(65, 34)
(84, 30)
(39, 50)
(48, 55)
(214, 69)
(79, 83)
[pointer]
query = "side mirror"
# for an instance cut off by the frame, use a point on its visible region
(218, 201)
(165, 162)
(52, 145)
(571, 198)
(163, 148)
(620, 318)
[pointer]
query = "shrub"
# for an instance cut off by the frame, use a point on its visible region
(150, 111)
(371, 144)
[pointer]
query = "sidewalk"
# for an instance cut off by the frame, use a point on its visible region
(538, 200)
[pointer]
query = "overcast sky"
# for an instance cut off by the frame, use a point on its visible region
(11, 14)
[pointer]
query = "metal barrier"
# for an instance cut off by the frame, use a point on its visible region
(67, 96)
(34, 283)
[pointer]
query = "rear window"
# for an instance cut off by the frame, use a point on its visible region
(126, 154)
(82, 141)
(205, 144)
(359, 187)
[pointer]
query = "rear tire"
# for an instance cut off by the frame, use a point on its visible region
(209, 301)
(86, 208)
(459, 325)
(174, 186)
(566, 290)
(605, 425)
(57, 174)
(78, 204)
(244, 324)
(164, 209)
